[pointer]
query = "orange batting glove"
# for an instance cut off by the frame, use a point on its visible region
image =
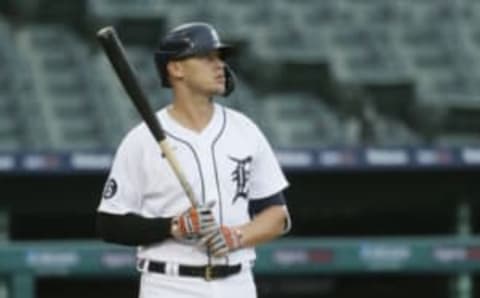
(194, 223)
(223, 240)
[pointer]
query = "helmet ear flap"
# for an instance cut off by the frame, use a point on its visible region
(229, 80)
(161, 65)
(170, 49)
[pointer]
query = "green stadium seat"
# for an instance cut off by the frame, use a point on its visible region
(112, 97)
(449, 90)
(294, 43)
(470, 10)
(314, 13)
(457, 139)
(365, 55)
(443, 63)
(63, 93)
(142, 59)
(249, 17)
(243, 99)
(184, 12)
(11, 135)
(392, 132)
(469, 36)
(117, 9)
(298, 120)
(434, 43)
(438, 83)
(430, 11)
(384, 12)
(325, 13)
(429, 49)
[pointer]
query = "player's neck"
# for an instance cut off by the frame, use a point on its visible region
(192, 114)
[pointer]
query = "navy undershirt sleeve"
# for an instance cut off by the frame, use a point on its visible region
(258, 205)
(132, 229)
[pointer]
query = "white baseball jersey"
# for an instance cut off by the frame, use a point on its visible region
(229, 162)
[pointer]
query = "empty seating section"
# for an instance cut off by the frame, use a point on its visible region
(58, 91)
(299, 120)
(126, 8)
(63, 93)
(458, 139)
(12, 135)
(112, 100)
(366, 55)
(142, 60)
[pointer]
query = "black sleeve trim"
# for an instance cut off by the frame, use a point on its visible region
(132, 229)
(258, 205)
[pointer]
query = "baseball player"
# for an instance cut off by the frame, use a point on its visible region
(205, 250)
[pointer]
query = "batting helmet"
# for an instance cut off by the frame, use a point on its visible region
(187, 40)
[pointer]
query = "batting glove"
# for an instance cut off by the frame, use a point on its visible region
(194, 223)
(222, 241)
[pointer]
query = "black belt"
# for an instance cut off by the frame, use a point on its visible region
(208, 272)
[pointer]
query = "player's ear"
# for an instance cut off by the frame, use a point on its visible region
(175, 70)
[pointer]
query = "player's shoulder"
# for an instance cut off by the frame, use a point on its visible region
(137, 132)
(239, 118)
(137, 136)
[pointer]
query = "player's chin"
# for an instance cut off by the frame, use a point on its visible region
(219, 90)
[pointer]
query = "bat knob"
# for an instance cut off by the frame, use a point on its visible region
(106, 31)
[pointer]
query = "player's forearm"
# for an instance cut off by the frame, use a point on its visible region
(267, 225)
(131, 229)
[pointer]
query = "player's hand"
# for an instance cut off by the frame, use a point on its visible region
(194, 223)
(222, 241)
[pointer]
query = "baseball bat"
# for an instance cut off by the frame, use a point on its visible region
(115, 52)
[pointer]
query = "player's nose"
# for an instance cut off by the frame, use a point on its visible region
(219, 63)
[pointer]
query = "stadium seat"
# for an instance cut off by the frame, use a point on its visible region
(10, 132)
(179, 12)
(249, 17)
(391, 132)
(7, 52)
(295, 43)
(118, 9)
(243, 99)
(112, 100)
(456, 139)
(299, 120)
(142, 59)
(317, 14)
(111, 94)
(365, 55)
(428, 50)
(443, 85)
(59, 67)
(380, 12)
(470, 10)
(435, 43)
(469, 37)
(430, 11)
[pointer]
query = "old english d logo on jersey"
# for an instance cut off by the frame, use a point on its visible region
(240, 176)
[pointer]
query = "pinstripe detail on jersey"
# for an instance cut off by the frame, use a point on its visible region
(217, 180)
(215, 167)
(197, 160)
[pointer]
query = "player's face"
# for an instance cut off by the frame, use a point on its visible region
(205, 73)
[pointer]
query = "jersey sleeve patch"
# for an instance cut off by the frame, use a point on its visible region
(110, 188)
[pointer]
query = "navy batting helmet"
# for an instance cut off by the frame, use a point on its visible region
(187, 40)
